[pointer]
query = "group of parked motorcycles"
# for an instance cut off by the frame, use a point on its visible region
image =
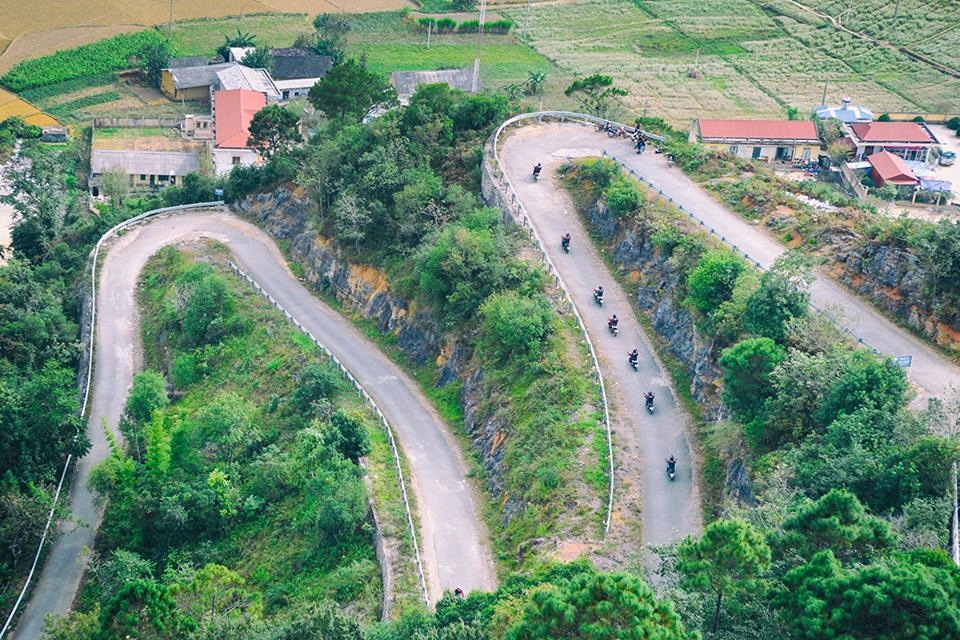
(613, 326)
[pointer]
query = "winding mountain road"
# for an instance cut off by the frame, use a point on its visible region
(453, 540)
(669, 510)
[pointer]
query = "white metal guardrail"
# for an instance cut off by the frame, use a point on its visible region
(373, 404)
(512, 204)
(86, 384)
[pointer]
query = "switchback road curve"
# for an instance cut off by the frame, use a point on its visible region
(454, 543)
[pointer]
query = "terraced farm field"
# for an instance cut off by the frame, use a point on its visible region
(31, 29)
(12, 105)
(684, 59)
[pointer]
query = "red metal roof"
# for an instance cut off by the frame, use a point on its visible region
(891, 168)
(234, 109)
(801, 130)
(892, 132)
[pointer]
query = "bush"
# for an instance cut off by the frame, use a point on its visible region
(712, 281)
(884, 117)
(623, 197)
(427, 23)
(469, 26)
(515, 326)
(954, 123)
(446, 25)
(499, 26)
(317, 382)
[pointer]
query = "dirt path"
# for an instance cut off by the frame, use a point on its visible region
(663, 510)
(453, 539)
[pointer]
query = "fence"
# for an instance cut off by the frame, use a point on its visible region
(86, 381)
(366, 396)
(136, 123)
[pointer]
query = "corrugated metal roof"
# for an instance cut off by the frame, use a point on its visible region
(200, 76)
(235, 110)
(891, 168)
(912, 132)
(406, 82)
(792, 130)
(237, 76)
(159, 163)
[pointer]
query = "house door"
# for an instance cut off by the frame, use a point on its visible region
(756, 152)
(783, 154)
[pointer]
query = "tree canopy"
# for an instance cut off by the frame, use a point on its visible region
(595, 93)
(349, 92)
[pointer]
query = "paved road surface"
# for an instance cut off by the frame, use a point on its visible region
(669, 510)
(932, 373)
(453, 540)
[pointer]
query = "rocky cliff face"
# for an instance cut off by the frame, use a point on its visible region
(656, 292)
(894, 280)
(363, 289)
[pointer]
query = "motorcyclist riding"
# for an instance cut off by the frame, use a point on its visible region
(598, 294)
(671, 464)
(613, 322)
(537, 168)
(565, 241)
(648, 399)
(632, 356)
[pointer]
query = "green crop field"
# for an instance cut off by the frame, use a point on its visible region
(684, 59)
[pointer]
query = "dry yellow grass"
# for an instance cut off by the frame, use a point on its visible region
(12, 105)
(38, 28)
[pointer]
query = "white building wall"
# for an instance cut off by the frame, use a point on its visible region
(225, 159)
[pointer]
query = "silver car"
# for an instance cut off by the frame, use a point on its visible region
(947, 158)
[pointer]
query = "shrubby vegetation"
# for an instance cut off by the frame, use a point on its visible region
(241, 501)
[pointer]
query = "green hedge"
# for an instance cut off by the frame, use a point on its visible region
(104, 56)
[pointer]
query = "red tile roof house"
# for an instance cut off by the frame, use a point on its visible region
(911, 141)
(767, 140)
(235, 109)
(886, 168)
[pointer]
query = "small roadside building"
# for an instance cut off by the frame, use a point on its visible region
(235, 111)
(887, 168)
(145, 169)
(912, 141)
(295, 71)
(191, 83)
(236, 76)
(766, 140)
(406, 82)
(54, 134)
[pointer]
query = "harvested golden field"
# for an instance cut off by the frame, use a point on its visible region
(11, 105)
(31, 29)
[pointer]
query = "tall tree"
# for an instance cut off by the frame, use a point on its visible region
(154, 57)
(916, 595)
(597, 606)
(350, 92)
(729, 554)
(783, 294)
(837, 521)
(259, 58)
(595, 93)
(239, 40)
(274, 128)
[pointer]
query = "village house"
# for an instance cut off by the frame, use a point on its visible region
(406, 82)
(144, 169)
(200, 82)
(294, 71)
(235, 111)
(886, 168)
(912, 141)
(766, 140)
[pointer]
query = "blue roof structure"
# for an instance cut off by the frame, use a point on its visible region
(847, 112)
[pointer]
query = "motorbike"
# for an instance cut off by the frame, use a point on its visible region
(614, 329)
(536, 173)
(598, 298)
(671, 468)
(634, 362)
(565, 243)
(648, 403)
(641, 147)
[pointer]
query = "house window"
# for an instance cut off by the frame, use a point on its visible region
(805, 155)
(143, 177)
(756, 152)
(733, 149)
(162, 178)
(236, 160)
(173, 179)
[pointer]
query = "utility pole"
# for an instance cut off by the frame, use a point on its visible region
(170, 28)
(476, 62)
(896, 9)
(824, 100)
(526, 19)
(955, 520)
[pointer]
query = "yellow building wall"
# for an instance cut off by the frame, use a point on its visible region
(768, 151)
(166, 84)
(194, 93)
